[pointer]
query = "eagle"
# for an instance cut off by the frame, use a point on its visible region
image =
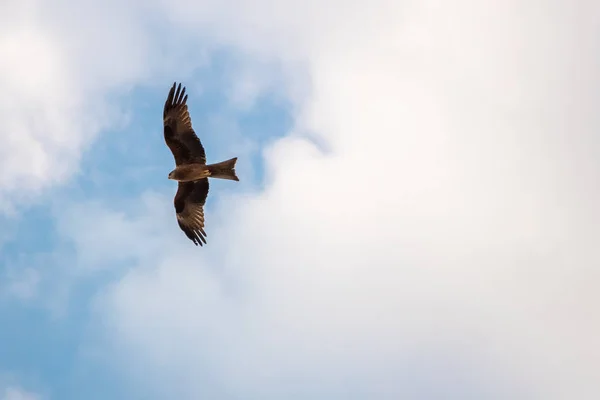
(191, 171)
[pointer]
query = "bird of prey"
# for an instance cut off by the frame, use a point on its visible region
(191, 170)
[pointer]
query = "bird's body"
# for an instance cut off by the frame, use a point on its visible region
(195, 171)
(191, 170)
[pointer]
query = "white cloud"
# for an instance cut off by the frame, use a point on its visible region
(444, 245)
(448, 231)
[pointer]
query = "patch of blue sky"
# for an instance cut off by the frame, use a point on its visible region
(44, 353)
(121, 164)
(135, 158)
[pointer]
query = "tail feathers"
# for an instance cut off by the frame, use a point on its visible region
(224, 170)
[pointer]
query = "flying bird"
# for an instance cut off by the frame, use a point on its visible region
(191, 171)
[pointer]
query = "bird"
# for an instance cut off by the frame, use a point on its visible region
(191, 171)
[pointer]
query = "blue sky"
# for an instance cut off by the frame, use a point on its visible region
(415, 218)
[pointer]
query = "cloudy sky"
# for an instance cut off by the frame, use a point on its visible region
(417, 216)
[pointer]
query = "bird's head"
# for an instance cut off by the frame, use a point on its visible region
(172, 175)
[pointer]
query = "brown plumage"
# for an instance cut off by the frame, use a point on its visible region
(191, 170)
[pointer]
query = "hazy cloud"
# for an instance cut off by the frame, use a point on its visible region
(14, 393)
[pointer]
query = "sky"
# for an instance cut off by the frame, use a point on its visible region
(416, 218)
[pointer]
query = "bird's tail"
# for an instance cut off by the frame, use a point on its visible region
(224, 170)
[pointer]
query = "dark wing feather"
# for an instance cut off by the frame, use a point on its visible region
(189, 208)
(179, 135)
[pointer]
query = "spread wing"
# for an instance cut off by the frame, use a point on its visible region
(179, 135)
(189, 208)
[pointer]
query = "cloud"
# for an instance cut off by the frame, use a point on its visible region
(15, 393)
(22, 284)
(437, 240)
(427, 228)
